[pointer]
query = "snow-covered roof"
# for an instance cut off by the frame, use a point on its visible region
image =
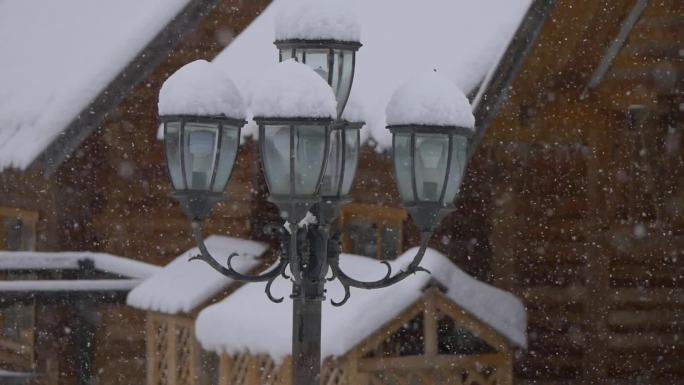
(182, 285)
(462, 39)
(248, 321)
(38, 260)
(57, 56)
(131, 272)
(72, 285)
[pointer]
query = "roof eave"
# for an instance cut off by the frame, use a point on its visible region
(93, 115)
(494, 90)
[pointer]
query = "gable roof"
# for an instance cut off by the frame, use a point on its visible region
(66, 63)
(245, 320)
(182, 285)
(401, 38)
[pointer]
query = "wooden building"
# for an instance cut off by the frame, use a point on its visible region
(572, 200)
(444, 328)
(573, 197)
(584, 163)
(62, 319)
(81, 169)
(173, 297)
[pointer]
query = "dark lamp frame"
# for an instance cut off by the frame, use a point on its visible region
(427, 214)
(197, 204)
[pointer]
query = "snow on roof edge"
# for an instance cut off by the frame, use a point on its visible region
(502, 311)
(182, 285)
(19, 260)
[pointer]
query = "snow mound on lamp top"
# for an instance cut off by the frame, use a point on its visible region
(430, 99)
(317, 20)
(292, 90)
(200, 88)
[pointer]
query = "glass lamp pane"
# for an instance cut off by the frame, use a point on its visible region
(432, 151)
(309, 157)
(276, 159)
(351, 160)
(458, 162)
(346, 76)
(333, 170)
(317, 60)
(402, 165)
(336, 70)
(228, 153)
(172, 150)
(200, 146)
(285, 53)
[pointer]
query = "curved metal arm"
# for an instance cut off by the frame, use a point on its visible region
(388, 280)
(228, 270)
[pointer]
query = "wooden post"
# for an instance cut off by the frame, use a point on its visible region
(430, 325)
(225, 369)
(171, 351)
(152, 355)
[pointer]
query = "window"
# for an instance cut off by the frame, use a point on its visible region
(372, 231)
(17, 233)
(17, 229)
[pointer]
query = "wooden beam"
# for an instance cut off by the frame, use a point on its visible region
(430, 326)
(472, 324)
(152, 355)
(436, 362)
(615, 47)
(495, 88)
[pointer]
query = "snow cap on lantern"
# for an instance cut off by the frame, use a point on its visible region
(200, 88)
(292, 90)
(431, 121)
(430, 99)
(294, 108)
(317, 20)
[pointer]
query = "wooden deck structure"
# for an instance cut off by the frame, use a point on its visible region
(433, 341)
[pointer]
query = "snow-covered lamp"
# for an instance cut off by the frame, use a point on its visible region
(431, 121)
(294, 109)
(325, 36)
(202, 112)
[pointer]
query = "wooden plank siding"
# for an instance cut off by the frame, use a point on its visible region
(588, 216)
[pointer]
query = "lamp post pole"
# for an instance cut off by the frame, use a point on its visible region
(307, 298)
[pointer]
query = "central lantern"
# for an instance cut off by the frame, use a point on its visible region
(326, 39)
(294, 109)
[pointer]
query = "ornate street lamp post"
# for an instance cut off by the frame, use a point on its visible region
(309, 157)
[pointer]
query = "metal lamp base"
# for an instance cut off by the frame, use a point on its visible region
(197, 204)
(428, 216)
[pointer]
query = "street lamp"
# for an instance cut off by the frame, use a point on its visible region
(310, 158)
(201, 134)
(431, 122)
(325, 37)
(294, 109)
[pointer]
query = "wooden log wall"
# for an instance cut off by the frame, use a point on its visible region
(586, 217)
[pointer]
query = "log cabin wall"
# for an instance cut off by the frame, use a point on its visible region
(586, 219)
